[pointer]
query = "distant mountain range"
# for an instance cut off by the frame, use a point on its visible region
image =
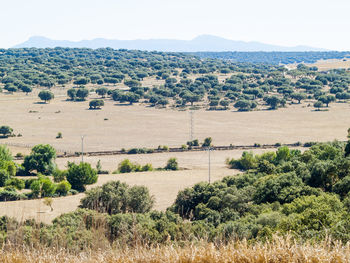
(200, 43)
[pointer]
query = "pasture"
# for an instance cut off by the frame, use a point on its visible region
(118, 126)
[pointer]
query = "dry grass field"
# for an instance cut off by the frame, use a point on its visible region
(328, 64)
(279, 250)
(123, 126)
(164, 185)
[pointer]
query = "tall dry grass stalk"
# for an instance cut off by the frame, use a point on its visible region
(278, 250)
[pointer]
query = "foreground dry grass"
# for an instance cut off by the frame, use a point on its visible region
(279, 250)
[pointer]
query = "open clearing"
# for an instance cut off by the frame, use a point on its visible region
(328, 64)
(164, 185)
(123, 126)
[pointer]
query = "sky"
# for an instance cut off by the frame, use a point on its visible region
(316, 23)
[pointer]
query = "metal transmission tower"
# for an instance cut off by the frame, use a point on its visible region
(191, 125)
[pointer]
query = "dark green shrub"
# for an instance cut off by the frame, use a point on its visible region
(172, 164)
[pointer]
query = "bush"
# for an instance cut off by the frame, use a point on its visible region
(4, 176)
(63, 188)
(28, 182)
(43, 187)
(246, 162)
(207, 142)
(59, 175)
(172, 164)
(147, 167)
(15, 182)
(140, 151)
(116, 197)
(11, 196)
(125, 166)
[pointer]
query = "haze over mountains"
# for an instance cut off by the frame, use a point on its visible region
(200, 43)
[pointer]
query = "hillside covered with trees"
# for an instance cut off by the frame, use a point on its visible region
(186, 79)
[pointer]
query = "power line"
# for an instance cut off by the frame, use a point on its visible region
(191, 125)
(82, 148)
(209, 165)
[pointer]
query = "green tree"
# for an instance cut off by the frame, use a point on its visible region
(5, 131)
(272, 101)
(318, 105)
(172, 164)
(298, 96)
(132, 83)
(5, 153)
(72, 93)
(26, 89)
(207, 142)
(4, 176)
(243, 105)
(326, 99)
(46, 95)
(41, 159)
(102, 92)
(82, 93)
(96, 104)
(80, 175)
(63, 188)
(116, 197)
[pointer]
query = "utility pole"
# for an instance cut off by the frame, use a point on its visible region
(191, 124)
(209, 164)
(82, 148)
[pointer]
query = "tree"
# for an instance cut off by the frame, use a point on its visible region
(26, 89)
(272, 101)
(318, 105)
(326, 99)
(102, 92)
(5, 154)
(243, 105)
(172, 164)
(207, 142)
(48, 201)
(298, 96)
(72, 93)
(82, 93)
(6, 131)
(80, 175)
(43, 187)
(81, 81)
(4, 176)
(224, 103)
(129, 97)
(41, 159)
(116, 197)
(214, 103)
(46, 95)
(132, 83)
(96, 104)
(163, 101)
(192, 98)
(63, 188)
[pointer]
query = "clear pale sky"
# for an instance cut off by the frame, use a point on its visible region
(317, 23)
